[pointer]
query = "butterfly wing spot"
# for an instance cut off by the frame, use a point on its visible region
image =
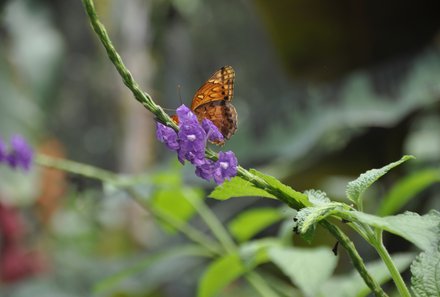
(217, 89)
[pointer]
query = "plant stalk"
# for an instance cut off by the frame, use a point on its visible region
(386, 258)
(358, 262)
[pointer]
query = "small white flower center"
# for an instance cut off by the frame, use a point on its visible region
(224, 165)
(191, 137)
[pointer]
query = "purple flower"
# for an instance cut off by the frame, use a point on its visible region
(192, 140)
(226, 167)
(167, 136)
(206, 170)
(186, 116)
(212, 131)
(191, 137)
(19, 155)
(190, 144)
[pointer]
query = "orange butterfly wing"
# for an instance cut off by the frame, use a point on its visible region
(213, 101)
(219, 87)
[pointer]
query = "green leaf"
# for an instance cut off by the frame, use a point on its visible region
(174, 201)
(406, 189)
(283, 192)
(425, 269)
(422, 231)
(356, 188)
(352, 284)
(147, 263)
(238, 187)
(220, 274)
(307, 268)
(249, 223)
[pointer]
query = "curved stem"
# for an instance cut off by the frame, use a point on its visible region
(386, 258)
(355, 257)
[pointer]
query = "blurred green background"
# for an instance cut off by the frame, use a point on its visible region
(324, 91)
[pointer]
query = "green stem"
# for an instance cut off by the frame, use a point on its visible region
(386, 258)
(358, 263)
(77, 168)
(141, 96)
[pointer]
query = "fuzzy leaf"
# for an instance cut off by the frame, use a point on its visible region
(425, 271)
(249, 223)
(317, 197)
(422, 231)
(356, 188)
(307, 268)
(309, 216)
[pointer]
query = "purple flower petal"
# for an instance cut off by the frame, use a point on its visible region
(167, 136)
(192, 140)
(212, 131)
(186, 116)
(20, 154)
(226, 167)
(206, 170)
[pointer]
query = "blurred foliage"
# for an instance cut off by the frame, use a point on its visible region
(323, 92)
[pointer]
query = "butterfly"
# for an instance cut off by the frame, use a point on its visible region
(212, 101)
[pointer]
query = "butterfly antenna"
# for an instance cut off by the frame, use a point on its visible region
(179, 94)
